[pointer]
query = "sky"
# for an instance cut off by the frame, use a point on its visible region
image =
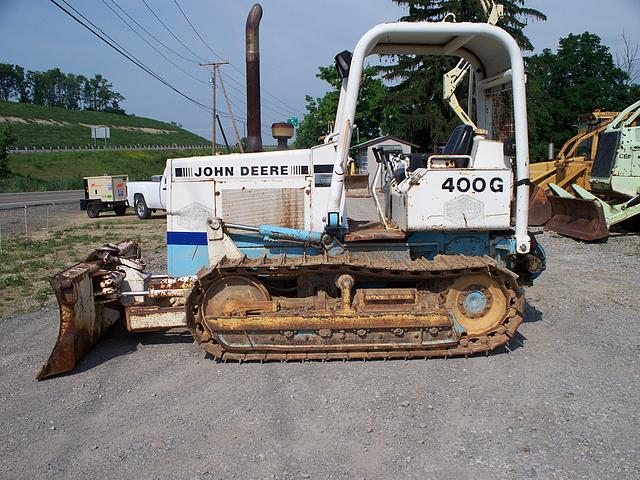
(296, 37)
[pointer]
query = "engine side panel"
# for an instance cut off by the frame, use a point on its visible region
(459, 200)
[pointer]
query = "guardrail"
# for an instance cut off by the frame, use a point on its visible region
(100, 148)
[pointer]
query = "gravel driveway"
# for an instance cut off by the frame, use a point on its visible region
(563, 404)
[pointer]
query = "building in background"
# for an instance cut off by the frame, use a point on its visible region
(366, 161)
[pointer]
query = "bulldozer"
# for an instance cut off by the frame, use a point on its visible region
(572, 164)
(264, 263)
(614, 194)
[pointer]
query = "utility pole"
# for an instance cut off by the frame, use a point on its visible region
(214, 71)
(233, 120)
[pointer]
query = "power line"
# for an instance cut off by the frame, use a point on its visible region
(265, 103)
(150, 44)
(153, 36)
(171, 32)
(232, 65)
(194, 29)
(123, 51)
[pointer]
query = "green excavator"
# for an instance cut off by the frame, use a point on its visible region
(615, 185)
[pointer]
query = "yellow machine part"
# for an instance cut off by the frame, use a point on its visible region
(563, 173)
(329, 308)
(567, 169)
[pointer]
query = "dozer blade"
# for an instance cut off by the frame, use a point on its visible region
(577, 218)
(87, 295)
(539, 207)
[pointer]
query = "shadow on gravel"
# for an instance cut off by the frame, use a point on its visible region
(531, 313)
(118, 342)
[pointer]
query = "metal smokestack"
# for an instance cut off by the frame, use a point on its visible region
(254, 135)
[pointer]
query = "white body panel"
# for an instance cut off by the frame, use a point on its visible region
(154, 193)
(452, 200)
(282, 188)
(208, 182)
(477, 197)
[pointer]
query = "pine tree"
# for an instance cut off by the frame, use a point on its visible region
(414, 110)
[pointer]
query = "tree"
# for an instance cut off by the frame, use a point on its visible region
(580, 77)
(12, 83)
(6, 81)
(21, 85)
(54, 88)
(627, 59)
(6, 140)
(321, 112)
(515, 18)
(415, 111)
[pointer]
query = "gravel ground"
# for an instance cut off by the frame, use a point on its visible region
(563, 404)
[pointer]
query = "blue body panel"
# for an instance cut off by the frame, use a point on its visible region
(186, 238)
(430, 244)
(186, 260)
(187, 252)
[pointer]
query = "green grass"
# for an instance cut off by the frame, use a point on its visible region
(70, 127)
(12, 280)
(32, 172)
(26, 264)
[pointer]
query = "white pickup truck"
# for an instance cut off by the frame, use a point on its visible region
(148, 197)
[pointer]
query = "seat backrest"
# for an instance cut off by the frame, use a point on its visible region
(460, 141)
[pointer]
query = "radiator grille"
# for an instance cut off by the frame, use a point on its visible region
(279, 207)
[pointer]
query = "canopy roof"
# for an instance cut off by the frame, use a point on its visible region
(486, 47)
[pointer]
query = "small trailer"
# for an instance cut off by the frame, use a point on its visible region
(107, 192)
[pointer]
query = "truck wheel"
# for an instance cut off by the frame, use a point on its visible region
(120, 210)
(142, 211)
(93, 209)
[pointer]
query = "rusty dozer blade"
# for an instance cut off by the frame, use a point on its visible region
(577, 218)
(539, 207)
(87, 294)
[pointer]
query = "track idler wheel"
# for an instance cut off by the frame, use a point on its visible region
(478, 302)
(226, 296)
(226, 292)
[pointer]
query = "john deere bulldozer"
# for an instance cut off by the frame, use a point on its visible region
(614, 183)
(264, 263)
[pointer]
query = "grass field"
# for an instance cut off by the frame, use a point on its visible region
(27, 263)
(35, 125)
(32, 172)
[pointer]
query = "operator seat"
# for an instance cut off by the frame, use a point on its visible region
(460, 141)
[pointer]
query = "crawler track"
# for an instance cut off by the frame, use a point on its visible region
(278, 331)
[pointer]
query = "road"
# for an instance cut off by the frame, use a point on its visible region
(17, 200)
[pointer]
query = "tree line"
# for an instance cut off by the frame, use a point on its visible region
(54, 88)
(402, 95)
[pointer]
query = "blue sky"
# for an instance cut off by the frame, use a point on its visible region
(296, 37)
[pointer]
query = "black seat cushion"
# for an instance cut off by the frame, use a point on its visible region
(460, 141)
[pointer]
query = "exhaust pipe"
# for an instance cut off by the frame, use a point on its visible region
(254, 135)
